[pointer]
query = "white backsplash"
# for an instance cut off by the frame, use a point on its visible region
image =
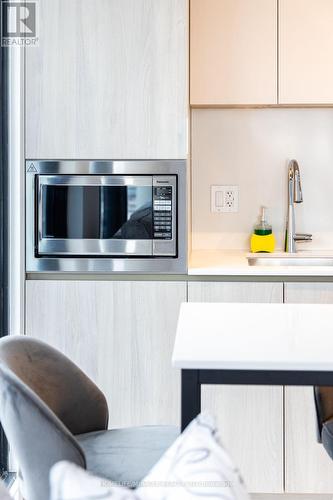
(251, 148)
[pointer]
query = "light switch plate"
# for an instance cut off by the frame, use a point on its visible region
(224, 199)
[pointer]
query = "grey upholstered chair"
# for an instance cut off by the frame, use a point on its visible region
(324, 408)
(50, 411)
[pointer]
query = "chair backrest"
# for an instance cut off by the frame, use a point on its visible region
(35, 434)
(61, 384)
(44, 400)
(324, 406)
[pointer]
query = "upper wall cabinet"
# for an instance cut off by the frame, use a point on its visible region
(108, 80)
(306, 52)
(233, 45)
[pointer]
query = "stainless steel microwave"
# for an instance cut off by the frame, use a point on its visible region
(106, 216)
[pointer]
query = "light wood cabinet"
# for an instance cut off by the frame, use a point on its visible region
(121, 333)
(308, 467)
(250, 418)
(233, 52)
(261, 52)
(305, 52)
(108, 80)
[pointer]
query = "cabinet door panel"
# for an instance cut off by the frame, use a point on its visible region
(233, 52)
(305, 52)
(308, 467)
(250, 418)
(108, 80)
(121, 334)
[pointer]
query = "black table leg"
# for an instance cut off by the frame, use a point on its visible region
(190, 396)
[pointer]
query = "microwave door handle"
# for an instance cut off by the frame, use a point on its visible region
(40, 213)
(101, 214)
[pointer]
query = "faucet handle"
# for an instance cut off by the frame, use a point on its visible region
(303, 237)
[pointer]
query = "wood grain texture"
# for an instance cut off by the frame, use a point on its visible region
(121, 334)
(108, 80)
(250, 418)
(290, 497)
(308, 467)
(308, 293)
(250, 291)
(233, 52)
(305, 52)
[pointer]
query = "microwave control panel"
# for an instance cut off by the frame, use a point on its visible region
(162, 212)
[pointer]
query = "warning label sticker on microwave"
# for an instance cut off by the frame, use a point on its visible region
(32, 168)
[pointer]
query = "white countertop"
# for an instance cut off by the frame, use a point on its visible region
(234, 263)
(254, 336)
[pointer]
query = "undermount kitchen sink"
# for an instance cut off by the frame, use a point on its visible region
(288, 260)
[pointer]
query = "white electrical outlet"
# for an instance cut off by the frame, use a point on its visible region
(224, 199)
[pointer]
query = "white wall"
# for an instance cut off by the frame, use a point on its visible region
(251, 148)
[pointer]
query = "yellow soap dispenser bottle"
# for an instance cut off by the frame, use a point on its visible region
(262, 239)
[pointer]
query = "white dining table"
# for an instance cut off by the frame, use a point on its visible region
(261, 344)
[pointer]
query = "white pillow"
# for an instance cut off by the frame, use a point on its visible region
(70, 482)
(4, 494)
(195, 466)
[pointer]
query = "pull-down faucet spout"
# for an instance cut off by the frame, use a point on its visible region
(294, 196)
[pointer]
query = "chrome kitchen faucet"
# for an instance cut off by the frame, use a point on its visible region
(294, 196)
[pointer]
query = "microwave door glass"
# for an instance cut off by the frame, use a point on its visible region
(97, 212)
